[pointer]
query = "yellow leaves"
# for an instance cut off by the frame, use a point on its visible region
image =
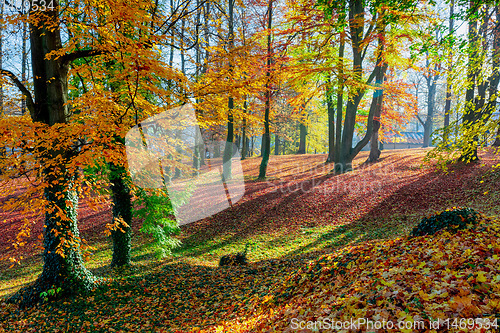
(387, 283)
(494, 304)
(426, 297)
(481, 277)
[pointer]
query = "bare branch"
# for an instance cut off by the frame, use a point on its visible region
(29, 98)
(420, 120)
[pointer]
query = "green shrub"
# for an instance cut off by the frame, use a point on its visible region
(156, 209)
(450, 219)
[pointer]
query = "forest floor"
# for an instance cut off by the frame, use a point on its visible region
(324, 246)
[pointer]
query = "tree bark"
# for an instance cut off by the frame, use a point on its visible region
(244, 149)
(469, 149)
(302, 138)
(347, 152)
(356, 15)
(447, 106)
(228, 149)
(340, 102)
(431, 79)
(122, 208)
(331, 121)
(377, 100)
(267, 137)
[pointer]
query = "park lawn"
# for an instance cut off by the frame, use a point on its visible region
(303, 223)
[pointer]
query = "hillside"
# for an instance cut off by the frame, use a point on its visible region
(324, 246)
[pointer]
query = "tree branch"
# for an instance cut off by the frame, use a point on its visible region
(29, 98)
(420, 120)
(69, 57)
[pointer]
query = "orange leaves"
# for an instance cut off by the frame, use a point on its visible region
(116, 225)
(443, 285)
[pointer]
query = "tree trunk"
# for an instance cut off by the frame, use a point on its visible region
(228, 149)
(65, 271)
(122, 208)
(244, 149)
(469, 150)
(447, 106)
(356, 12)
(302, 138)
(276, 144)
(253, 147)
(347, 152)
(216, 149)
(267, 137)
(331, 121)
(377, 100)
(24, 62)
(340, 102)
(431, 78)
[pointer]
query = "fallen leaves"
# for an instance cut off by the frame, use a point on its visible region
(365, 274)
(428, 277)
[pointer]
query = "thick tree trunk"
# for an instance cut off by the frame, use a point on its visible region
(356, 12)
(66, 272)
(228, 148)
(216, 149)
(122, 208)
(302, 138)
(377, 100)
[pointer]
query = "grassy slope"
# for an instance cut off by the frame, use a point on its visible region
(300, 214)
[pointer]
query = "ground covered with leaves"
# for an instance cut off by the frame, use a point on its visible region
(325, 249)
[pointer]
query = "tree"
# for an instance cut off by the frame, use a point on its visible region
(63, 265)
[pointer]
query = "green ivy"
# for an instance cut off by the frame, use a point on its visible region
(450, 219)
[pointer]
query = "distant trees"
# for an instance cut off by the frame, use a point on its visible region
(475, 83)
